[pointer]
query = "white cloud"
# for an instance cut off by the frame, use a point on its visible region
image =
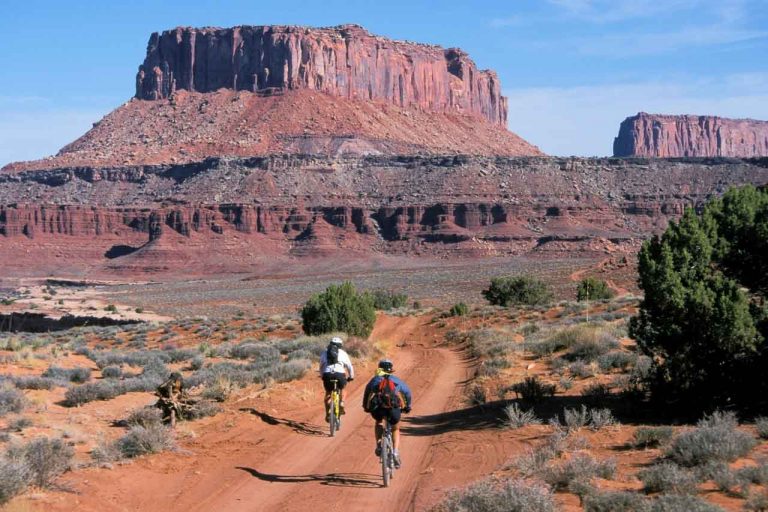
(608, 11)
(584, 120)
(37, 134)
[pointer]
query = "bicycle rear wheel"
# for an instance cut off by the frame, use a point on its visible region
(334, 413)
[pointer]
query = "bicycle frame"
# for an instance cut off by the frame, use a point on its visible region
(335, 412)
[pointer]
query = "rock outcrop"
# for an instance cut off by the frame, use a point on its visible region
(344, 61)
(652, 135)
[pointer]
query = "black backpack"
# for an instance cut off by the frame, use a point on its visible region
(332, 354)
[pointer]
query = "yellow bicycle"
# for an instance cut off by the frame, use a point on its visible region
(334, 413)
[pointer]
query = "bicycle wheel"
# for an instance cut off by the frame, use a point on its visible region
(386, 454)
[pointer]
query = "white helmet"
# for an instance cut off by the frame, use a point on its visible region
(337, 341)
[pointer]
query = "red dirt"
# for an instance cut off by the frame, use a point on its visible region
(271, 451)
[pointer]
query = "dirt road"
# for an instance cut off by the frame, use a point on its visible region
(265, 457)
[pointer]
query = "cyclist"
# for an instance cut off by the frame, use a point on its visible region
(334, 362)
(386, 396)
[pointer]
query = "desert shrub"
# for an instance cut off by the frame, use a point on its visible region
(144, 417)
(761, 424)
(757, 474)
(77, 375)
(476, 395)
(597, 392)
(756, 502)
(486, 342)
(178, 355)
(256, 352)
(495, 495)
(197, 362)
(339, 308)
(723, 477)
(517, 417)
(458, 309)
(715, 439)
(590, 349)
(651, 437)
(581, 370)
(616, 502)
(90, 391)
(145, 440)
(575, 419)
(566, 383)
(601, 418)
(33, 382)
(579, 467)
(11, 399)
(112, 372)
(533, 390)
(591, 288)
(616, 360)
(47, 459)
(384, 300)
(15, 477)
(290, 370)
(203, 409)
(19, 424)
(105, 452)
(514, 291)
(682, 503)
(701, 319)
(668, 477)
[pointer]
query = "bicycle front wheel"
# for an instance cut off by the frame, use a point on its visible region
(386, 455)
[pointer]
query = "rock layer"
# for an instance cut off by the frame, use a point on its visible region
(691, 136)
(344, 61)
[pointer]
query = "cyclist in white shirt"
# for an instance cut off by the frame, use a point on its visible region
(335, 365)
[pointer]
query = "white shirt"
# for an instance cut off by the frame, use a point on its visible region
(344, 362)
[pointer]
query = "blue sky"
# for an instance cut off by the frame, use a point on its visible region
(573, 69)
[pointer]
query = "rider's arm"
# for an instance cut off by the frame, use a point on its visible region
(406, 391)
(323, 363)
(344, 359)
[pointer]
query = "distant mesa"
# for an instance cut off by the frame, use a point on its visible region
(655, 135)
(255, 91)
(344, 61)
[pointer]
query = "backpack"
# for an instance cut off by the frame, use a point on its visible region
(332, 354)
(385, 395)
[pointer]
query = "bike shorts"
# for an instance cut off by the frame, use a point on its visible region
(330, 376)
(381, 413)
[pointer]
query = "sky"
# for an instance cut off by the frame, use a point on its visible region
(572, 69)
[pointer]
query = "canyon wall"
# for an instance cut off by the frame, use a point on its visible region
(344, 61)
(664, 136)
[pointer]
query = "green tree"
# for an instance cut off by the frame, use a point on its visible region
(702, 319)
(591, 288)
(339, 309)
(517, 290)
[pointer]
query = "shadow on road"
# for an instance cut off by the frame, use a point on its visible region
(300, 427)
(471, 418)
(335, 479)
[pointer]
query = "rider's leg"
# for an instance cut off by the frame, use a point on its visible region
(379, 431)
(396, 437)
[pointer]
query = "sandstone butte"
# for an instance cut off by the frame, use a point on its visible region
(251, 148)
(691, 136)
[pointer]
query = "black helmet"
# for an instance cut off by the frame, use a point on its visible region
(175, 376)
(386, 365)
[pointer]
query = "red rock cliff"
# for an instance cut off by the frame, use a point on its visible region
(344, 61)
(676, 136)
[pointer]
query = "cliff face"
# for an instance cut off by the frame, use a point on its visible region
(344, 61)
(226, 214)
(682, 136)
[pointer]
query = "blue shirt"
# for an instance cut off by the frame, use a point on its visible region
(401, 388)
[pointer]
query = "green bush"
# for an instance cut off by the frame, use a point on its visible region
(591, 288)
(384, 300)
(516, 291)
(458, 309)
(703, 318)
(339, 309)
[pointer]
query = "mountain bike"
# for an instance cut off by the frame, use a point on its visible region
(334, 412)
(387, 454)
